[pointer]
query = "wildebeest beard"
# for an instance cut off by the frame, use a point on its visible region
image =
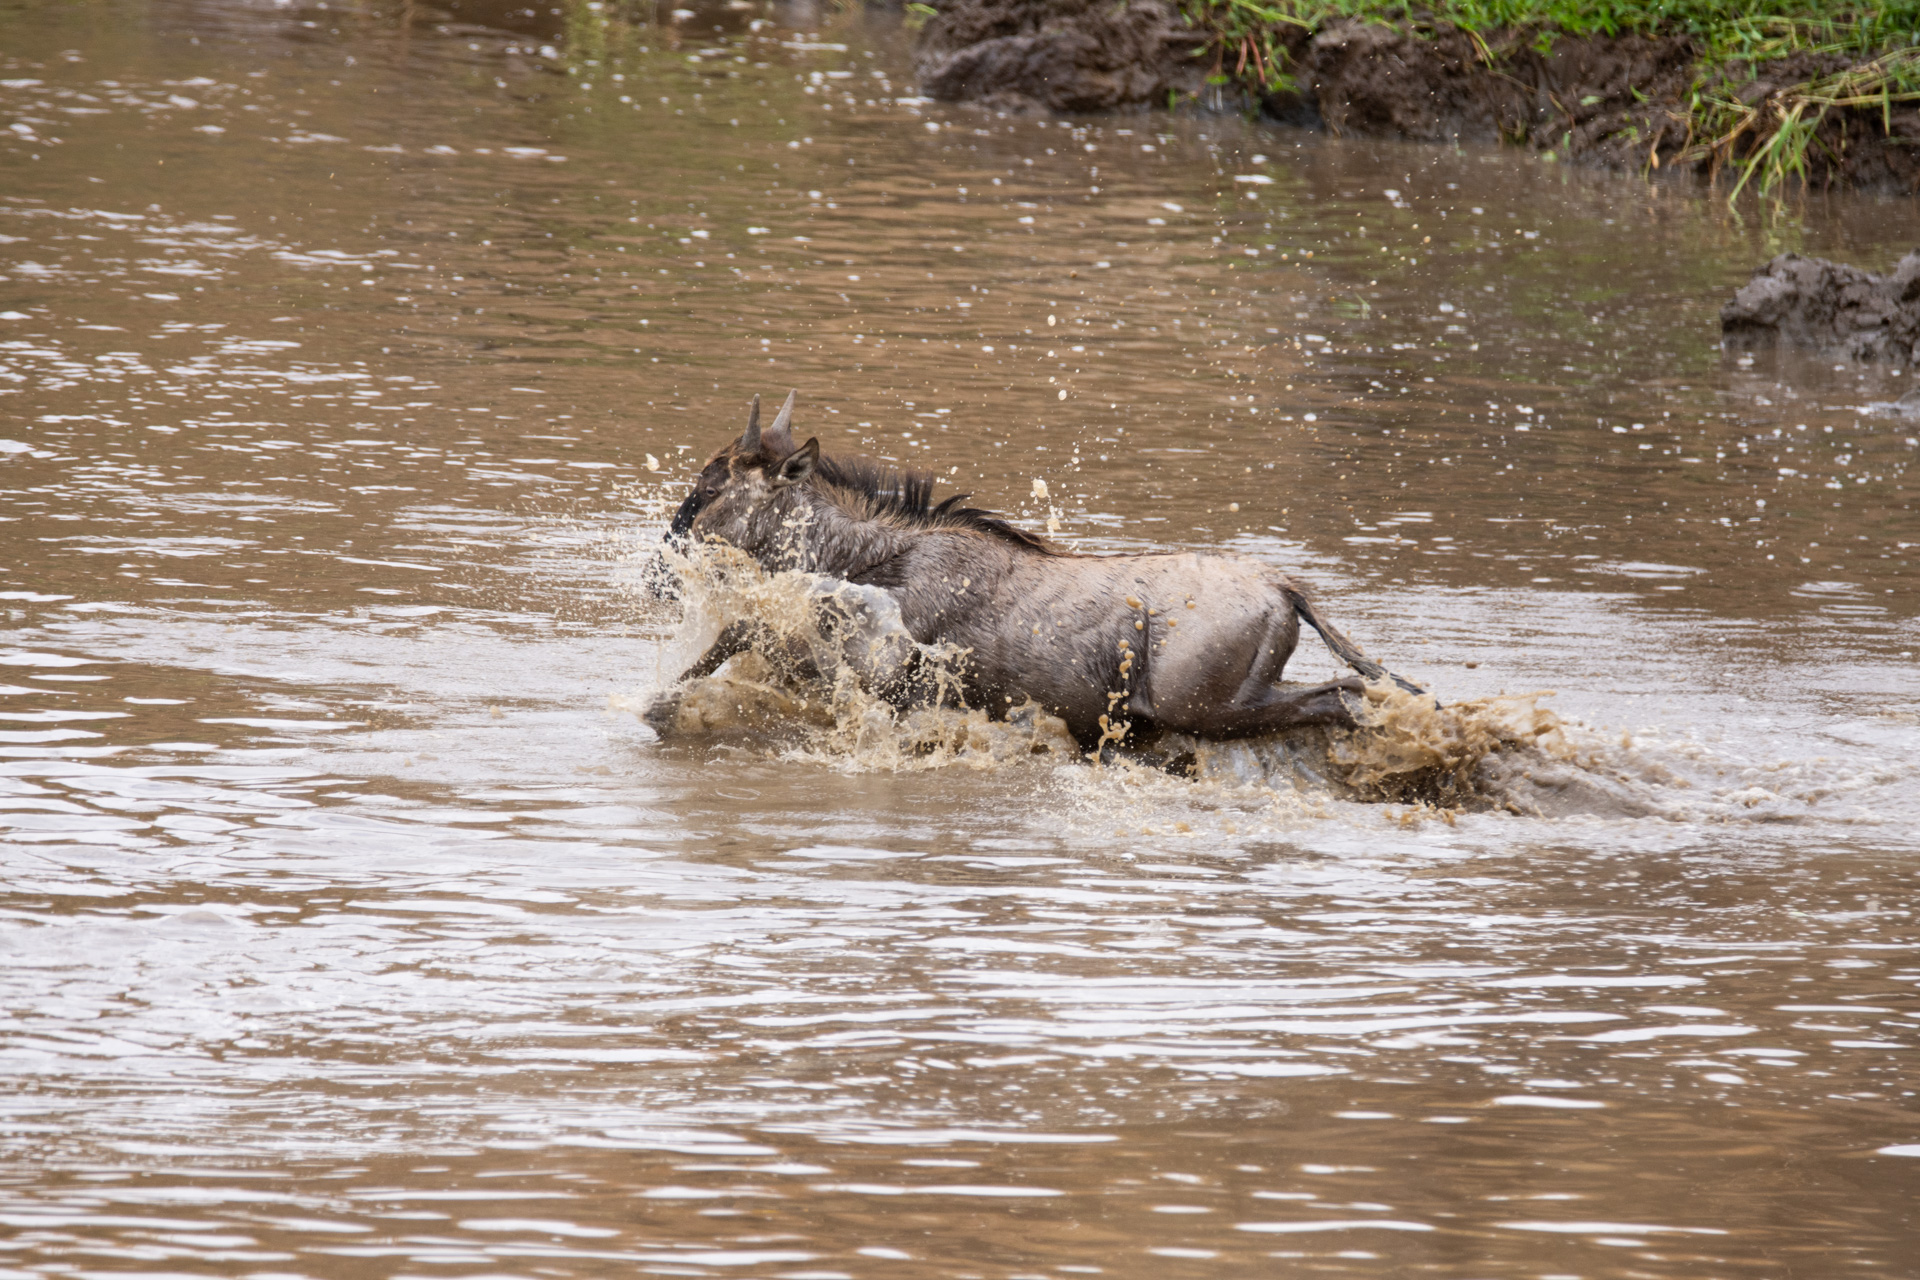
(1120, 647)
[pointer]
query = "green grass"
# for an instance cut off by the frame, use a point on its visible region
(1725, 25)
(1765, 143)
(1784, 127)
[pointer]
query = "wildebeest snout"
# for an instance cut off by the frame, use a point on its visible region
(658, 578)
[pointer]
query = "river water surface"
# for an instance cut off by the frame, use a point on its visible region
(353, 925)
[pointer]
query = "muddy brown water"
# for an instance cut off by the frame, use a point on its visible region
(353, 926)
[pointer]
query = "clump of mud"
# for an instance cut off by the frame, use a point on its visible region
(1577, 97)
(1349, 76)
(1828, 307)
(1059, 55)
(1622, 101)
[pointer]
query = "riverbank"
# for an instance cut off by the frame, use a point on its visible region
(1761, 97)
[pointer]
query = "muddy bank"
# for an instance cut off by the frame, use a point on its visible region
(1829, 307)
(1627, 101)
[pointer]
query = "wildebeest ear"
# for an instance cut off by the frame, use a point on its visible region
(798, 465)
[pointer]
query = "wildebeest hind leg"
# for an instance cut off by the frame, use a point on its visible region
(1239, 695)
(1273, 711)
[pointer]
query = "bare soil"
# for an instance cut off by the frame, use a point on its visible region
(1617, 101)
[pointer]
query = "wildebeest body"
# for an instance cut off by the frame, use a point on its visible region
(1116, 646)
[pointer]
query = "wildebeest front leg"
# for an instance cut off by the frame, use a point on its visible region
(736, 639)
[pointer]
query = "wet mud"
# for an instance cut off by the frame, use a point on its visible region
(1817, 305)
(1369, 80)
(1620, 102)
(1071, 56)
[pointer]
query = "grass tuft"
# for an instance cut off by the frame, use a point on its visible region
(1766, 141)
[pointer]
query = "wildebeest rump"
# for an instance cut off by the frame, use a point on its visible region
(1117, 646)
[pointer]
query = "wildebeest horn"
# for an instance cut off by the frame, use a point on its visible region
(750, 440)
(784, 419)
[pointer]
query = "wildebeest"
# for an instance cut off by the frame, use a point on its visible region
(1117, 646)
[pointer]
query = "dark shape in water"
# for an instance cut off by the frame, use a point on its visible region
(946, 604)
(1828, 307)
(1060, 55)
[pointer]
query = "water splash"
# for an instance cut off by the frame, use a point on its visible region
(824, 677)
(825, 653)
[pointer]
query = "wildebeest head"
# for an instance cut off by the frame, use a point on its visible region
(742, 479)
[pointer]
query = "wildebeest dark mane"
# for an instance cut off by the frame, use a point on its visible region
(905, 498)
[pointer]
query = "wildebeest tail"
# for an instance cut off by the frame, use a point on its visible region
(1344, 649)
